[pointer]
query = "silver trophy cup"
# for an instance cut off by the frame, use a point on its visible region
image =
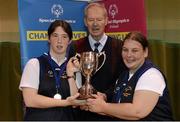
(89, 66)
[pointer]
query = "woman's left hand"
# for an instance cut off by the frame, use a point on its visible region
(72, 66)
(97, 104)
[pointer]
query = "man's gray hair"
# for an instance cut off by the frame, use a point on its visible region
(100, 5)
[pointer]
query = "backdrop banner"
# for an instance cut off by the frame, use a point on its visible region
(36, 15)
(125, 16)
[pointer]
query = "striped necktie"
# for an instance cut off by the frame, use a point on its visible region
(96, 47)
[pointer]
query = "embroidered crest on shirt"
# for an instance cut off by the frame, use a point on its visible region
(50, 73)
(127, 91)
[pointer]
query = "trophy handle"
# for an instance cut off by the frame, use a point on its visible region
(98, 55)
(77, 55)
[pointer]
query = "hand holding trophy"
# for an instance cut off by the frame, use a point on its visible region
(89, 65)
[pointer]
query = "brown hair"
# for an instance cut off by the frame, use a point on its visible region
(137, 36)
(66, 27)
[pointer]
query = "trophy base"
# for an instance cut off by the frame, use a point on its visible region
(84, 97)
(86, 92)
(80, 102)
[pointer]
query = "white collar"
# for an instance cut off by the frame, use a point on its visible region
(102, 41)
(60, 62)
(54, 59)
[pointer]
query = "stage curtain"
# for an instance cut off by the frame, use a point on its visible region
(166, 55)
(10, 73)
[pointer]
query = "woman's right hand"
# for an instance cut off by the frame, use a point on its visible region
(72, 100)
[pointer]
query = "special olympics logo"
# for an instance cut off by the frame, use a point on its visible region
(113, 10)
(57, 10)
